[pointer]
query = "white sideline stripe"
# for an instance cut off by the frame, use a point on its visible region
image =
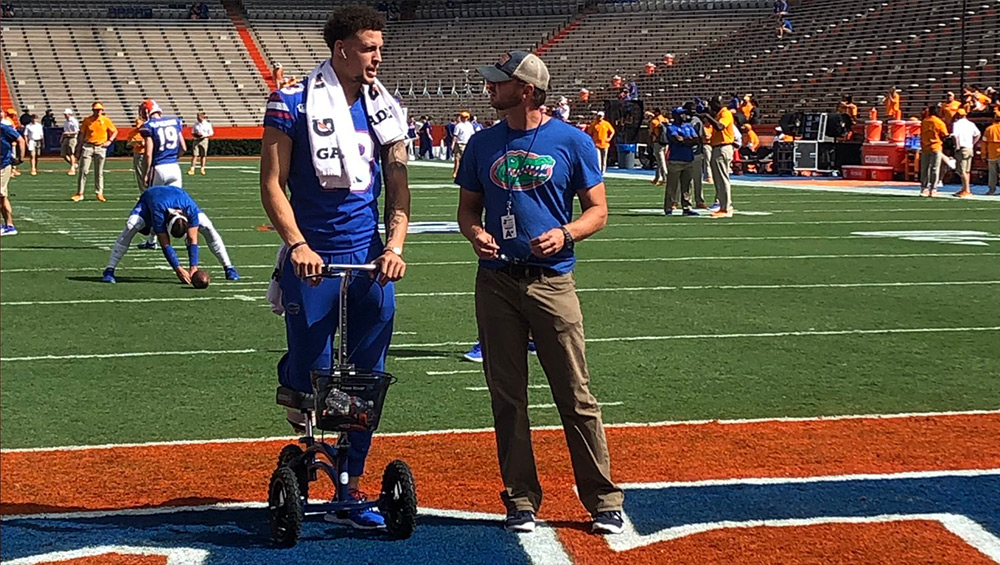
(135, 354)
(661, 424)
(462, 372)
(966, 529)
(813, 479)
(472, 262)
(542, 547)
(239, 298)
(175, 556)
(589, 340)
(553, 405)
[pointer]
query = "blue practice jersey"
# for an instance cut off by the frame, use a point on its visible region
(158, 200)
(166, 134)
(332, 220)
(8, 136)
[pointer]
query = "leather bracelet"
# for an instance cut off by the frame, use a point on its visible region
(293, 246)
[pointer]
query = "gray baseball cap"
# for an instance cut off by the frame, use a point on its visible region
(520, 65)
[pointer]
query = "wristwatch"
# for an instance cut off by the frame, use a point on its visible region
(396, 250)
(567, 239)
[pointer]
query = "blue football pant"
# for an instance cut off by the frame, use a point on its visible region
(312, 318)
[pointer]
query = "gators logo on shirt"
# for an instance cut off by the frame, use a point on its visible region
(520, 170)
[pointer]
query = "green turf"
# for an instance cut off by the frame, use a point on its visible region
(643, 276)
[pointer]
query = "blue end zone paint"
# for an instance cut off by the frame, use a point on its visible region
(240, 537)
(977, 497)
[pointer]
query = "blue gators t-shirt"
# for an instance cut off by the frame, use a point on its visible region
(333, 220)
(541, 171)
(679, 151)
(166, 134)
(157, 200)
(8, 136)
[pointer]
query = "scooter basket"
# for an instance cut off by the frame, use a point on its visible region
(349, 399)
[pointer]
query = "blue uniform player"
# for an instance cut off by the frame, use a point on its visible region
(332, 140)
(168, 211)
(8, 137)
(164, 145)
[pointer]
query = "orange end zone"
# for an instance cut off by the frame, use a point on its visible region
(459, 471)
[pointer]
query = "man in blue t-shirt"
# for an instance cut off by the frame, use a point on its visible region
(165, 212)
(524, 174)
(335, 219)
(164, 145)
(8, 137)
(680, 138)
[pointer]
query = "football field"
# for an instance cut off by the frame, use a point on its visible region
(805, 304)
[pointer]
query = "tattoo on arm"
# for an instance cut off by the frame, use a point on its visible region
(397, 193)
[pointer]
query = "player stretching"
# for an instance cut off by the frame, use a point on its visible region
(168, 211)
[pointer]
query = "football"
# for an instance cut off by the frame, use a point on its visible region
(200, 279)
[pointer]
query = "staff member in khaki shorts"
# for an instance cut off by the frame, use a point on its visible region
(98, 133)
(67, 141)
(201, 132)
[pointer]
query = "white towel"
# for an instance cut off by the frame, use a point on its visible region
(331, 127)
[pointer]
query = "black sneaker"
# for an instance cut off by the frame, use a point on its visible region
(609, 522)
(520, 521)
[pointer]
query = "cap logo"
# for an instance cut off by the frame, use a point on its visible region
(503, 60)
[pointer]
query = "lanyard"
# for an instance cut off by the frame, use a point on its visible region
(506, 163)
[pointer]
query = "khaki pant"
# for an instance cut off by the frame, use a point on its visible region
(200, 148)
(5, 174)
(507, 309)
(602, 158)
(139, 170)
(930, 169)
(67, 147)
(679, 184)
(697, 177)
(97, 155)
(660, 155)
(963, 158)
(722, 164)
(994, 173)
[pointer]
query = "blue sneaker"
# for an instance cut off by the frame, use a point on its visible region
(475, 354)
(9, 230)
(714, 207)
(531, 347)
(231, 274)
(367, 519)
(109, 276)
(690, 212)
(147, 245)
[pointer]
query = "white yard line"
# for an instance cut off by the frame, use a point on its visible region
(472, 262)
(660, 424)
(623, 339)
(124, 355)
(459, 372)
(239, 298)
(544, 406)
(484, 389)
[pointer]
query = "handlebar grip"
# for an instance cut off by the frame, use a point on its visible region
(335, 269)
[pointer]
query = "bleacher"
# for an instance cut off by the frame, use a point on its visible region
(859, 47)
(417, 55)
(58, 55)
(187, 66)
